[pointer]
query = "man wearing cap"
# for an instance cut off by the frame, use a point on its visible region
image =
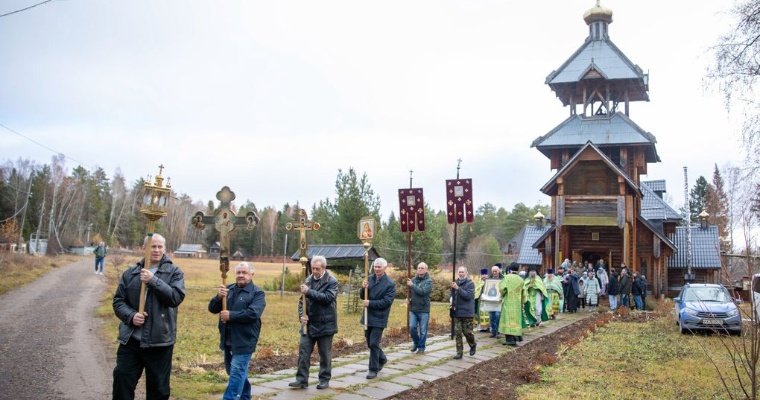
(513, 297)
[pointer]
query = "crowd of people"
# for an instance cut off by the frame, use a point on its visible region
(149, 294)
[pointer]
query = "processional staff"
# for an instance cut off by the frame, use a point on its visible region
(459, 209)
(302, 226)
(412, 218)
(365, 230)
(154, 202)
(225, 221)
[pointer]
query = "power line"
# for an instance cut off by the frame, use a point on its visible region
(24, 9)
(44, 146)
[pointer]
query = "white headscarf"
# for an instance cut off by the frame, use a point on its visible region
(602, 274)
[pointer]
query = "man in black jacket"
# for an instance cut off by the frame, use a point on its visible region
(320, 322)
(381, 292)
(146, 340)
(239, 328)
(464, 310)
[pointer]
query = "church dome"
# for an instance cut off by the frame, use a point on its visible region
(597, 13)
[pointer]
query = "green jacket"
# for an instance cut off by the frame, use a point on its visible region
(421, 289)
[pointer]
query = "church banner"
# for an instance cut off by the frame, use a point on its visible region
(412, 210)
(459, 207)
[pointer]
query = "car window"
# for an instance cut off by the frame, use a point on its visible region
(718, 294)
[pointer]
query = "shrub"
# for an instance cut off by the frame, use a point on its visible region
(292, 282)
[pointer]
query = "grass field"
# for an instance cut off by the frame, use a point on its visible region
(197, 358)
(637, 360)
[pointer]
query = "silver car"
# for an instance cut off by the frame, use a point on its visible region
(707, 306)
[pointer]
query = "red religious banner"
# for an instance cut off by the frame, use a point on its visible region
(459, 200)
(412, 206)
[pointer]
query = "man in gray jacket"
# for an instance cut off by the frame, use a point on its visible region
(146, 340)
(319, 324)
(419, 308)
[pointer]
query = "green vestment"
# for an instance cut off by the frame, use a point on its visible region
(512, 295)
(531, 287)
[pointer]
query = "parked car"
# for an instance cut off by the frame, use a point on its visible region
(707, 306)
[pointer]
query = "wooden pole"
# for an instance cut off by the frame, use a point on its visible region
(366, 276)
(408, 288)
(146, 264)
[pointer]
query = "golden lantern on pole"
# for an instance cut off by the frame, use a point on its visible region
(154, 204)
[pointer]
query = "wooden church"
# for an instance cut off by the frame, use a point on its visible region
(600, 207)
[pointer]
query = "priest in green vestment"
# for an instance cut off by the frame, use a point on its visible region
(553, 286)
(513, 296)
(536, 300)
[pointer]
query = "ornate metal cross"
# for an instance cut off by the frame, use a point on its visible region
(302, 226)
(225, 221)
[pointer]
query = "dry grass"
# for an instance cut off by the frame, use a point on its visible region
(20, 269)
(641, 360)
(197, 358)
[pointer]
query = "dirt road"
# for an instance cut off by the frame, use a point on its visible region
(49, 338)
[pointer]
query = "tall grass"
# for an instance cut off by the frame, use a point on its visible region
(20, 269)
(635, 360)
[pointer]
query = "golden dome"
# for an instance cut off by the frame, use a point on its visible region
(597, 13)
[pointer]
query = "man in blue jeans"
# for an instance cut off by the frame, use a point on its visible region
(239, 328)
(419, 308)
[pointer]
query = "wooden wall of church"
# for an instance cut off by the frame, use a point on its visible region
(590, 178)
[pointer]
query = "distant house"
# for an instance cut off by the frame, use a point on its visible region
(241, 255)
(214, 250)
(190, 251)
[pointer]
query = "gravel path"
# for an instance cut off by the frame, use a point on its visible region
(49, 338)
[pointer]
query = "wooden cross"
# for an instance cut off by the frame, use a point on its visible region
(225, 221)
(302, 226)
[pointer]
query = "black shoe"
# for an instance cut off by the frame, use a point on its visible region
(458, 356)
(513, 344)
(414, 348)
(298, 384)
(519, 338)
(371, 375)
(472, 350)
(421, 351)
(493, 335)
(382, 364)
(323, 385)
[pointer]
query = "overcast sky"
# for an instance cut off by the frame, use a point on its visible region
(273, 97)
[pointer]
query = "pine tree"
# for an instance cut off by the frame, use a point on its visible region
(716, 204)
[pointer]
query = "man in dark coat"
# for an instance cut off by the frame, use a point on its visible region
(321, 322)
(463, 304)
(146, 340)
(419, 308)
(381, 292)
(239, 328)
(613, 289)
(573, 290)
(625, 287)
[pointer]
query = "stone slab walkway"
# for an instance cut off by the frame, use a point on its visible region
(405, 370)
